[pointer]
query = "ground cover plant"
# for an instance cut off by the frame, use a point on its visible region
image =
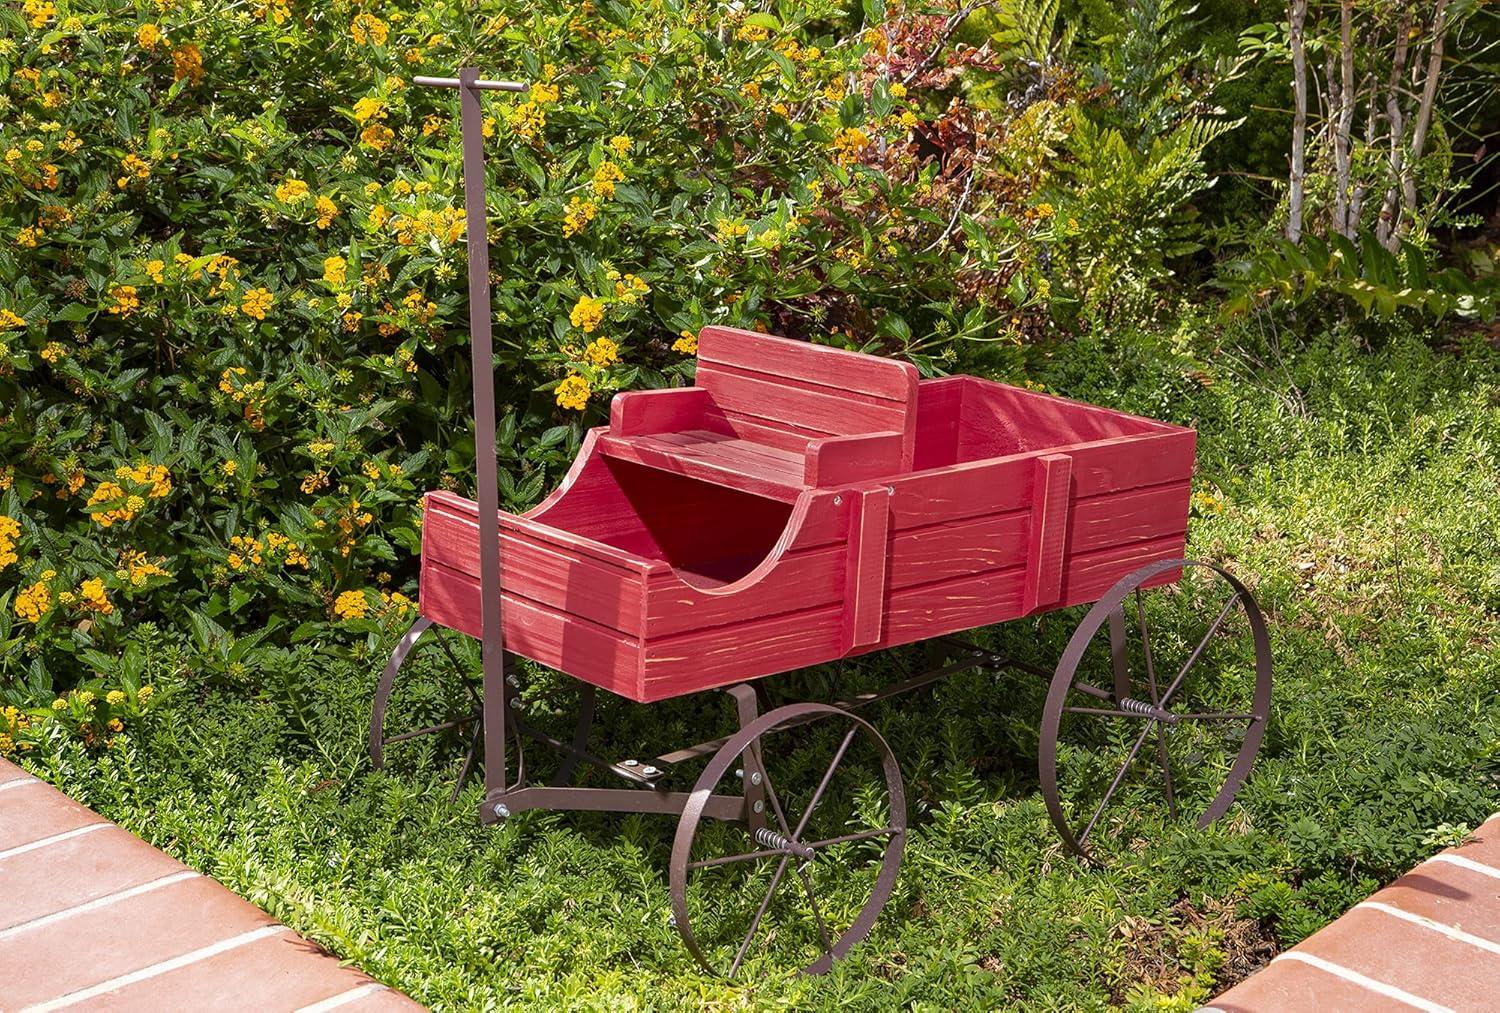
(233, 354)
(1356, 490)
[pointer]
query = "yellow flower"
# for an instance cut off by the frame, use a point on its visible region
(367, 28)
(126, 301)
(1045, 210)
(580, 212)
(230, 467)
(849, 143)
(327, 211)
(114, 697)
(38, 12)
(620, 145)
(10, 530)
(9, 319)
(156, 270)
(54, 351)
(335, 270)
(187, 63)
(528, 119)
(377, 136)
(573, 393)
(687, 343)
(148, 36)
(753, 33)
(145, 694)
(256, 302)
(588, 313)
(601, 352)
(291, 191)
(369, 108)
(32, 603)
(115, 725)
(135, 167)
(95, 597)
(543, 93)
(898, 90)
(605, 178)
(351, 605)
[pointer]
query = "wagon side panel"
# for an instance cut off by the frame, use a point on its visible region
(577, 614)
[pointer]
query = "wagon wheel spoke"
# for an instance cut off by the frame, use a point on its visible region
(1102, 712)
(1140, 614)
(1166, 768)
(812, 902)
(1114, 785)
(747, 856)
(765, 774)
(1192, 660)
(760, 912)
(817, 796)
(863, 835)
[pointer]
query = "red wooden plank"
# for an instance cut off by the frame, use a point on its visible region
(820, 364)
(782, 436)
(465, 511)
(797, 580)
(779, 403)
(705, 659)
(568, 643)
(958, 548)
(1004, 484)
(1049, 525)
(1089, 575)
(740, 472)
(842, 460)
(864, 587)
(930, 610)
(559, 578)
(1134, 515)
(634, 413)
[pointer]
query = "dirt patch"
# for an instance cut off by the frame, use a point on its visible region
(1168, 953)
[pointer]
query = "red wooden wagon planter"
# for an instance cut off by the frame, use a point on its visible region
(801, 504)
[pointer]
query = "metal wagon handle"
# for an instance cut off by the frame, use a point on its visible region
(486, 464)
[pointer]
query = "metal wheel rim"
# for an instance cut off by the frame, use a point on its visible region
(1083, 636)
(718, 766)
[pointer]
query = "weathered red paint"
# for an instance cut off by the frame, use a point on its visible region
(801, 504)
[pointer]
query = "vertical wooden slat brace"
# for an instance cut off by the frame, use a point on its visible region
(1048, 535)
(864, 583)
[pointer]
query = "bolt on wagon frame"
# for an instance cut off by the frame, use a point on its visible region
(867, 509)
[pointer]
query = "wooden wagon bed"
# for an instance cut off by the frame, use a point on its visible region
(801, 504)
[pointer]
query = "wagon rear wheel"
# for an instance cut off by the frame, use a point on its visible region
(809, 871)
(444, 700)
(1160, 697)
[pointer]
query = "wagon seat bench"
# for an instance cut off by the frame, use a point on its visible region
(797, 505)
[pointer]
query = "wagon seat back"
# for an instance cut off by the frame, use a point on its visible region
(773, 416)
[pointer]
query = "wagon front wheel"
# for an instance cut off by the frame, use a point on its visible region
(1161, 696)
(815, 860)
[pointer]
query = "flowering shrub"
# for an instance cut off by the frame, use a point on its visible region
(233, 348)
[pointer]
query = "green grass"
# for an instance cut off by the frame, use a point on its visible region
(1359, 498)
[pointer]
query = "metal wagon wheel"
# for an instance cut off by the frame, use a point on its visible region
(1188, 705)
(817, 858)
(467, 715)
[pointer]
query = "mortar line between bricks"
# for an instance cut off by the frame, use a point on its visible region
(153, 970)
(343, 998)
(97, 903)
(19, 783)
(1366, 982)
(66, 835)
(1450, 931)
(1467, 863)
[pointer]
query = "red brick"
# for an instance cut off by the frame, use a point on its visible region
(278, 973)
(1483, 846)
(35, 811)
(126, 936)
(1449, 894)
(72, 872)
(1289, 986)
(1411, 957)
(10, 772)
